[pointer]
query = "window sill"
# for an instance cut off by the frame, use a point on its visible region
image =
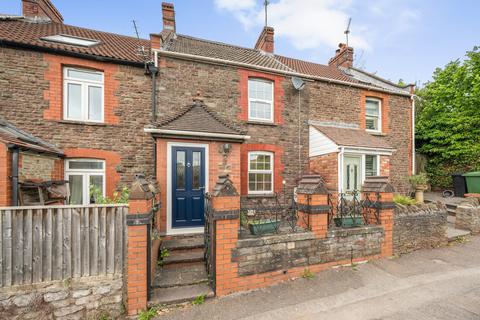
(264, 195)
(376, 133)
(270, 124)
(99, 124)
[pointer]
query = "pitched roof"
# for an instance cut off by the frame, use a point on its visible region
(10, 134)
(23, 31)
(197, 117)
(211, 49)
(352, 137)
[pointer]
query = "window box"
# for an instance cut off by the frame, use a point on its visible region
(264, 226)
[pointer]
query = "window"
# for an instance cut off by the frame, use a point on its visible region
(260, 172)
(371, 165)
(71, 40)
(83, 95)
(373, 115)
(83, 176)
(260, 100)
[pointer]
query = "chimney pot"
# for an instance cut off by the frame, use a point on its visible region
(266, 41)
(168, 14)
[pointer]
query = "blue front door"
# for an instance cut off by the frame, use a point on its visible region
(188, 186)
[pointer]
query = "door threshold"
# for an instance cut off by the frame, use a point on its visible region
(181, 231)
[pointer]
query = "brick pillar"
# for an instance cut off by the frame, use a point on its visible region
(226, 215)
(377, 189)
(139, 221)
(313, 206)
(5, 176)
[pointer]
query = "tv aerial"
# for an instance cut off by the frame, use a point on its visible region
(347, 32)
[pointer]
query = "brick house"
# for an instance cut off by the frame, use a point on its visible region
(217, 108)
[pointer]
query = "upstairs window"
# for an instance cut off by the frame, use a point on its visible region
(83, 95)
(373, 115)
(260, 172)
(86, 178)
(260, 100)
(371, 165)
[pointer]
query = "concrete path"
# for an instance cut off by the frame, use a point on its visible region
(430, 284)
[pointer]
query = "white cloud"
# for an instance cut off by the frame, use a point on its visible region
(320, 24)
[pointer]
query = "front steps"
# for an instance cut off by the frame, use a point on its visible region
(183, 276)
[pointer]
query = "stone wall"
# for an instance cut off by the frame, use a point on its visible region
(282, 252)
(78, 298)
(35, 167)
(419, 227)
(467, 215)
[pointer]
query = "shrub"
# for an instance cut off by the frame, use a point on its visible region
(404, 200)
(420, 179)
(118, 197)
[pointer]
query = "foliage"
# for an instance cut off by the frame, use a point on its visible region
(199, 300)
(420, 179)
(118, 197)
(147, 314)
(448, 119)
(307, 274)
(163, 254)
(404, 200)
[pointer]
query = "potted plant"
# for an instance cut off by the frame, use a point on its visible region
(263, 226)
(420, 183)
(349, 221)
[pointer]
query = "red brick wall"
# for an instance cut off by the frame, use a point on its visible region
(327, 167)
(215, 169)
(54, 94)
(385, 166)
(112, 160)
(277, 91)
(5, 173)
(278, 165)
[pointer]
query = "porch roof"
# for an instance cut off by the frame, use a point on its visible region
(353, 137)
(198, 119)
(10, 134)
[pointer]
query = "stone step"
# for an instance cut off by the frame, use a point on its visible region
(178, 295)
(455, 234)
(183, 243)
(180, 276)
(183, 257)
(451, 219)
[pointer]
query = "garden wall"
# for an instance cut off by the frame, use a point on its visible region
(78, 298)
(467, 215)
(419, 227)
(283, 252)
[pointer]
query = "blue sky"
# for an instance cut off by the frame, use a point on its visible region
(404, 39)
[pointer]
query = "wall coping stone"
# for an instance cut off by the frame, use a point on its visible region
(377, 184)
(345, 232)
(224, 187)
(139, 219)
(312, 184)
(419, 209)
(272, 239)
(305, 208)
(226, 215)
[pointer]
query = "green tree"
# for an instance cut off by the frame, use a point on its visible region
(448, 121)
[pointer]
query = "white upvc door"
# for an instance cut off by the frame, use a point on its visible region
(352, 173)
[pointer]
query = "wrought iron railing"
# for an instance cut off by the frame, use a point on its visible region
(354, 209)
(268, 215)
(209, 239)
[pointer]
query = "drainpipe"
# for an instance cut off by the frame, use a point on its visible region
(340, 169)
(15, 159)
(152, 69)
(413, 135)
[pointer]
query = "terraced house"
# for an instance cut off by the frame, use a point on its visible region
(94, 108)
(187, 109)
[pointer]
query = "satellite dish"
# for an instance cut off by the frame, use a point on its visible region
(298, 83)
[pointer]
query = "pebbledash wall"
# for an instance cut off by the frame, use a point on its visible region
(76, 298)
(419, 227)
(31, 94)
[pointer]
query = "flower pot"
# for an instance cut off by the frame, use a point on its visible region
(348, 222)
(263, 226)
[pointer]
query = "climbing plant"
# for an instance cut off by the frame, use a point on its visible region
(448, 119)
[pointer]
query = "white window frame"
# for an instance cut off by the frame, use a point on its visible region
(272, 162)
(379, 130)
(85, 84)
(364, 160)
(86, 173)
(250, 100)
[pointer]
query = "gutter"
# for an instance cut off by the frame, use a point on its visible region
(196, 133)
(187, 56)
(71, 54)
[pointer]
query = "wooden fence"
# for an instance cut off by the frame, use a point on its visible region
(44, 243)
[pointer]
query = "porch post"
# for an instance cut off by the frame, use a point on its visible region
(226, 215)
(380, 192)
(139, 221)
(313, 205)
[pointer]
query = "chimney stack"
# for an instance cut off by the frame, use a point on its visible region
(168, 14)
(43, 9)
(343, 57)
(265, 41)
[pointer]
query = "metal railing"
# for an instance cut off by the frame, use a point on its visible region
(210, 239)
(352, 210)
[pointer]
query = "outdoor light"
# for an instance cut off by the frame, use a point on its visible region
(227, 147)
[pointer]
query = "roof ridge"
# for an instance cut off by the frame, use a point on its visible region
(217, 42)
(380, 78)
(301, 60)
